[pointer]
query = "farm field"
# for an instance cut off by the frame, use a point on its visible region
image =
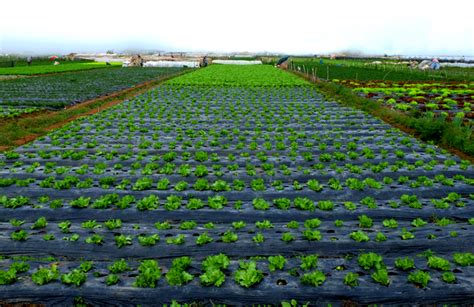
(59, 91)
(364, 70)
(235, 185)
(450, 100)
(435, 105)
(49, 68)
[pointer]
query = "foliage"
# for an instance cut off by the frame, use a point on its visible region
(419, 278)
(75, 277)
(314, 279)
(248, 275)
(276, 263)
(235, 75)
(45, 275)
(149, 274)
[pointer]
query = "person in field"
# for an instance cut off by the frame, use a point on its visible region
(29, 59)
(435, 64)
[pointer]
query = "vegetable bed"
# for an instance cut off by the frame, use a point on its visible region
(58, 91)
(449, 100)
(234, 195)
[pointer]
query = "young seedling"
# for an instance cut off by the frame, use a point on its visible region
(248, 275)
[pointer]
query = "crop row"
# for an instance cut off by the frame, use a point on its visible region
(363, 229)
(215, 269)
(61, 90)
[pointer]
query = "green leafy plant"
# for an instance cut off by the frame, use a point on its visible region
(448, 277)
(229, 237)
(76, 277)
(438, 263)
(90, 224)
(418, 222)
(217, 202)
(177, 275)
(150, 240)
(351, 279)
(326, 205)
(118, 266)
(248, 275)
(213, 266)
(7, 277)
(112, 279)
(178, 240)
(359, 236)
(188, 225)
(303, 203)
(203, 239)
(265, 224)
(309, 262)
(16, 223)
(282, 203)
(381, 276)
(81, 202)
(239, 225)
(315, 278)
(312, 223)
(419, 278)
(162, 225)
(276, 263)
(149, 274)
(258, 238)
(95, 239)
(406, 235)
(148, 203)
(370, 260)
(19, 235)
(312, 235)
(464, 259)
(40, 223)
(144, 183)
(123, 240)
(390, 223)
(365, 221)
(405, 263)
(45, 275)
(113, 224)
(287, 237)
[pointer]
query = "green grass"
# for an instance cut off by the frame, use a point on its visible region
(49, 68)
(239, 75)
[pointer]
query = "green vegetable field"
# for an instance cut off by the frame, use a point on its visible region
(233, 185)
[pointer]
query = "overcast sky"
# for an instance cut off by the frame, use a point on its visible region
(410, 27)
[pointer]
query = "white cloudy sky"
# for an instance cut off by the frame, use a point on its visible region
(412, 27)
